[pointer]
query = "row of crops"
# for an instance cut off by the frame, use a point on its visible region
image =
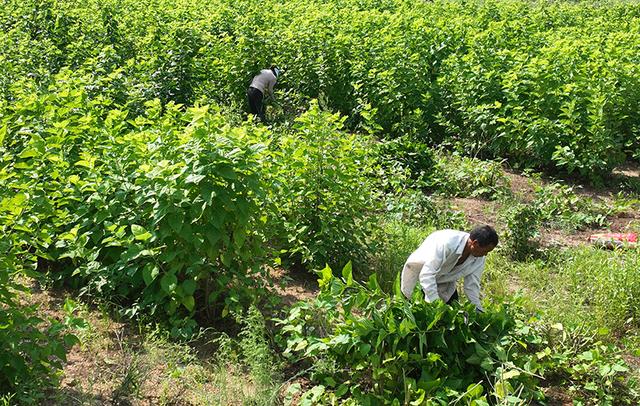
(128, 174)
(546, 85)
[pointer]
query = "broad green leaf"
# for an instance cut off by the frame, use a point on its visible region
(168, 282)
(325, 276)
(342, 390)
(149, 273)
(189, 287)
(29, 153)
(140, 233)
(188, 302)
(175, 220)
(347, 274)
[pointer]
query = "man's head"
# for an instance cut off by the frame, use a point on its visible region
(276, 71)
(482, 240)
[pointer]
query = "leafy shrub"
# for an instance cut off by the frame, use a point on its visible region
(364, 346)
(408, 154)
(460, 176)
(522, 222)
(505, 102)
(150, 213)
(166, 213)
(32, 349)
(560, 205)
(518, 80)
(320, 192)
(382, 349)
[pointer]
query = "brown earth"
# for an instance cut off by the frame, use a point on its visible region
(480, 211)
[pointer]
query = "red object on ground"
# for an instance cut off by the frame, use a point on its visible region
(614, 240)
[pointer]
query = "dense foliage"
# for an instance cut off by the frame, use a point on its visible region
(544, 85)
(365, 347)
(32, 347)
(322, 192)
(128, 173)
(171, 212)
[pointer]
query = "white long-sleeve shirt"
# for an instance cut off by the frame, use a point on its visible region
(433, 264)
(264, 81)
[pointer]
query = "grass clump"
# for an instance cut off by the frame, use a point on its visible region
(461, 176)
(579, 287)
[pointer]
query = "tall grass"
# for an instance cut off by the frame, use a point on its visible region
(399, 240)
(583, 286)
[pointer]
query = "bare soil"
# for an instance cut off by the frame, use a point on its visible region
(480, 211)
(294, 286)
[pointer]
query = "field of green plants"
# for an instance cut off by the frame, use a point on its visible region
(132, 180)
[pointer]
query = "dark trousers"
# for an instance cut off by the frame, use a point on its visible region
(254, 97)
(454, 298)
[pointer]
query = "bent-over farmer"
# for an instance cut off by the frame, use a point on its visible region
(446, 256)
(262, 86)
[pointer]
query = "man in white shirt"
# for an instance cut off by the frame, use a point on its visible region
(261, 86)
(446, 256)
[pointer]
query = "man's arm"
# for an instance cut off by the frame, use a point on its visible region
(472, 287)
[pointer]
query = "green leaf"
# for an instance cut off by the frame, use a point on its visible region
(227, 172)
(140, 233)
(29, 153)
(189, 287)
(189, 302)
(364, 349)
(474, 390)
(586, 356)
(239, 237)
(169, 283)
(70, 340)
(312, 396)
(487, 364)
(342, 389)
(420, 398)
(175, 220)
(149, 273)
(347, 274)
(325, 276)
(591, 386)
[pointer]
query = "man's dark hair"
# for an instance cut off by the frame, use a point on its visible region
(484, 235)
